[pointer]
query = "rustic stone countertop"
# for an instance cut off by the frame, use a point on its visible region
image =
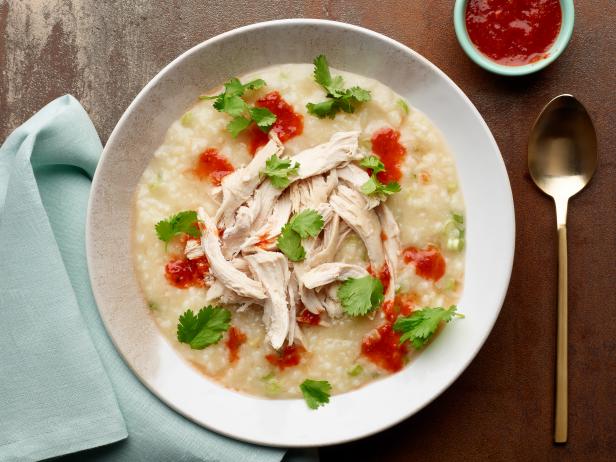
(501, 408)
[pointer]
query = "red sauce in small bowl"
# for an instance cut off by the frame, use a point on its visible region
(513, 32)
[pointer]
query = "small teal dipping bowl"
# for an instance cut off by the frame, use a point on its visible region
(559, 45)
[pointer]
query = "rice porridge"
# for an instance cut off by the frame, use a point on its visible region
(317, 216)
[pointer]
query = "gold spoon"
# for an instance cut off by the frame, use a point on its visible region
(562, 157)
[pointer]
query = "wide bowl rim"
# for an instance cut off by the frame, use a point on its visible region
(508, 253)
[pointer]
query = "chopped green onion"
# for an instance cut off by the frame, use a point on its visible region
(272, 387)
(187, 119)
(355, 370)
(454, 231)
(155, 184)
(403, 105)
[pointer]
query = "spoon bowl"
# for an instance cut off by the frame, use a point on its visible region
(562, 151)
(562, 158)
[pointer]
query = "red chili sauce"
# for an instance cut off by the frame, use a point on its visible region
(402, 305)
(513, 32)
(386, 145)
(183, 273)
(235, 339)
(213, 165)
(289, 356)
(383, 348)
(308, 317)
(288, 123)
(383, 276)
(265, 241)
(429, 262)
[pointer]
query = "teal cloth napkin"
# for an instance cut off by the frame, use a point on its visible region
(63, 387)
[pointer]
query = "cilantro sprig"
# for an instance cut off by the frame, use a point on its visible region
(182, 222)
(338, 98)
(316, 392)
(359, 296)
(231, 102)
(205, 328)
(419, 327)
(374, 185)
(280, 170)
(302, 225)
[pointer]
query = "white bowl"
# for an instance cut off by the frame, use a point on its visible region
(490, 233)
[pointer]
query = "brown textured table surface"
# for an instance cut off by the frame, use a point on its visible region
(501, 408)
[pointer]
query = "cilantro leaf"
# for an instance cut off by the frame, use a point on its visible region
(339, 98)
(374, 186)
(230, 102)
(371, 186)
(290, 243)
(182, 222)
(234, 106)
(321, 72)
(359, 94)
(234, 87)
(421, 325)
(263, 117)
(237, 125)
(204, 329)
(307, 223)
(254, 84)
(327, 108)
(373, 163)
(316, 392)
(359, 296)
(279, 170)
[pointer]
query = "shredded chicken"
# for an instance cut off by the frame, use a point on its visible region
(238, 186)
(352, 207)
(234, 237)
(193, 249)
(329, 299)
(293, 294)
(309, 193)
(334, 233)
(391, 244)
(354, 176)
(272, 270)
(338, 151)
(265, 237)
(246, 268)
(222, 269)
(330, 272)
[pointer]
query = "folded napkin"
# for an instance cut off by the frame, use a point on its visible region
(63, 386)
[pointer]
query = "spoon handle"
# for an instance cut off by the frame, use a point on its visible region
(560, 427)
